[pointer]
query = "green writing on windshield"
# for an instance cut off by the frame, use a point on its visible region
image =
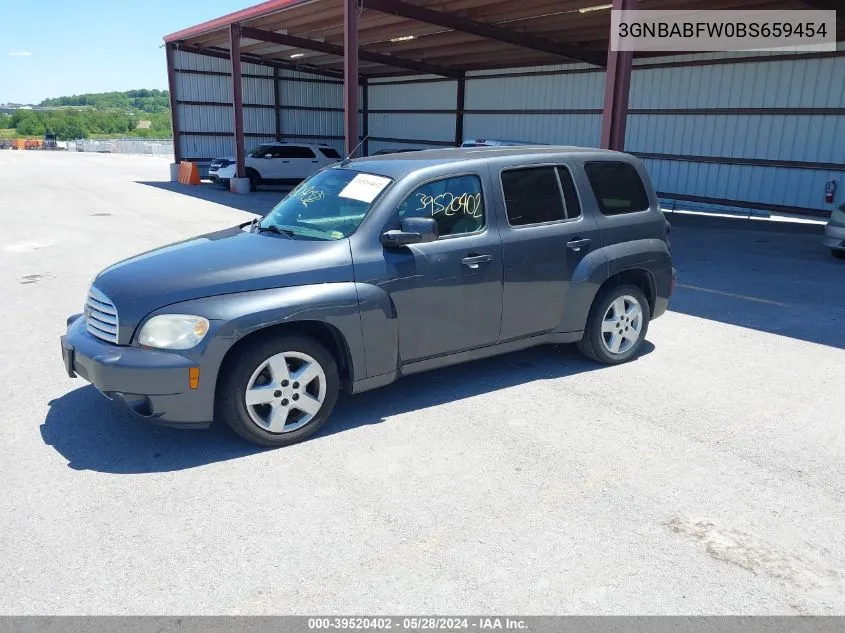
(450, 204)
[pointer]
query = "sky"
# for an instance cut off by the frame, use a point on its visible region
(58, 48)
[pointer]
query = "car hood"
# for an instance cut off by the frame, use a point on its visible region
(224, 262)
(219, 158)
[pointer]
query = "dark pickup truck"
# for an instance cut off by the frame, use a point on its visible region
(376, 268)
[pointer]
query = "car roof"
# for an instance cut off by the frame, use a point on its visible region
(498, 141)
(286, 144)
(403, 163)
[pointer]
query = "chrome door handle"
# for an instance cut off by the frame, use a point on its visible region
(472, 261)
(577, 245)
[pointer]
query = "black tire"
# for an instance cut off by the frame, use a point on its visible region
(254, 179)
(592, 345)
(231, 405)
(838, 253)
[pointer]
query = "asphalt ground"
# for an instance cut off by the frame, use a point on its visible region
(706, 477)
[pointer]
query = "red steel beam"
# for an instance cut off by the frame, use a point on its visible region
(174, 113)
(237, 98)
(617, 85)
(350, 74)
(224, 54)
(482, 29)
(334, 49)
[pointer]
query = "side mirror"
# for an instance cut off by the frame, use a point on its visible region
(412, 231)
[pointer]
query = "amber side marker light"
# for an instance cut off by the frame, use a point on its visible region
(194, 377)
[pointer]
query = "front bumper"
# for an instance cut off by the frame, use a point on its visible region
(153, 384)
(222, 173)
(834, 235)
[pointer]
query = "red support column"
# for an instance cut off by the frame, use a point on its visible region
(350, 73)
(277, 104)
(617, 85)
(365, 116)
(459, 112)
(237, 97)
(170, 49)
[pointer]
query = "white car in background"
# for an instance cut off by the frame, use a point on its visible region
(275, 163)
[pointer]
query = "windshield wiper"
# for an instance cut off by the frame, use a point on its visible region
(275, 228)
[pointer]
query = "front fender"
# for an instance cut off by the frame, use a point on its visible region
(240, 314)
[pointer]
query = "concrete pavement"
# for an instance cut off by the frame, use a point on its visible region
(706, 477)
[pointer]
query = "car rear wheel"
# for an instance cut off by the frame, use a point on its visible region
(279, 391)
(617, 325)
(839, 253)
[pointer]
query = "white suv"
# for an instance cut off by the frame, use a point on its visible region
(275, 163)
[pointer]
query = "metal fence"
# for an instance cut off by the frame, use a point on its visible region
(148, 146)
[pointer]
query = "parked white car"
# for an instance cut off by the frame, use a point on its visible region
(834, 232)
(275, 163)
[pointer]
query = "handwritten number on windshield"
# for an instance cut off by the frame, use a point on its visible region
(308, 194)
(449, 204)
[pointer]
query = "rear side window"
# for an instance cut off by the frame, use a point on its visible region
(328, 152)
(532, 196)
(293, 151)
(617, 187)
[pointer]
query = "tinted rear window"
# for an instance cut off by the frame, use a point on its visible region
(328, 152)
(617, 187)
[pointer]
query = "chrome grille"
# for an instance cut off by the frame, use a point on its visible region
(101, 316)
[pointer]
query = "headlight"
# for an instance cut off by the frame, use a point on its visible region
(173, 331)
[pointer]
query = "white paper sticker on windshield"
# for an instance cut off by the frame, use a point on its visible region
(364, 187)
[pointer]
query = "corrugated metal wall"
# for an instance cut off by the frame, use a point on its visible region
(405, 113)
(757, 130)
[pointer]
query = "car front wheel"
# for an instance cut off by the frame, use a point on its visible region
(617, 325)
(839, 253)
(254, 179)
(279, 391)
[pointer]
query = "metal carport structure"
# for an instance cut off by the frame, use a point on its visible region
(369, 43)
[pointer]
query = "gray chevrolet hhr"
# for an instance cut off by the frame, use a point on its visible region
(373, 269)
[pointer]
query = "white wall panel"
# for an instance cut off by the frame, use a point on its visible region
(312, 123)
(259, 120)
(440, 95)
(257, 90)
(190, 87)
(193, 147)
(811, 83)
(196, 118)
(300, 93)
(569, 129)
(779, 137)
(776, 185)
(192, 61)
(433, 127)
(542, 92)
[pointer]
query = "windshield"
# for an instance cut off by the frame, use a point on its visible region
(327, 206)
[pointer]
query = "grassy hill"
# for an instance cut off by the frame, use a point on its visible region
(149, 101)
(100, 114)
